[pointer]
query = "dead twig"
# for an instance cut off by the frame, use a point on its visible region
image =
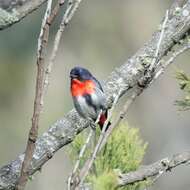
(120, 117)
(72, 177)
(76, 166)
(70, 10)
(175, 54)
(38, 103)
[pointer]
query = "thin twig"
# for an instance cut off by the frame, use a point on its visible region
(55, 11)
(81, 154)
(71, 178)
(33, 134)
(120, 117)
(159, 42)
(50, 20)
(70, 10)
(172, 59)
(88, 164)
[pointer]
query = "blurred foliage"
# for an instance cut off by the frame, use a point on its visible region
(123, 152)
(184, 83)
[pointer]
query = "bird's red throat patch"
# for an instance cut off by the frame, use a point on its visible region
(79, 88)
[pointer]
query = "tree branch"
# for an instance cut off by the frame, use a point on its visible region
(155, 169)
(183, 47)
(130, 74)
(38, 101)
(12, 11)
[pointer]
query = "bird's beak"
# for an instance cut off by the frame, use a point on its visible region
(72, 76)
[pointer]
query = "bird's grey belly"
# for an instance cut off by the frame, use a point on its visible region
(84, 109)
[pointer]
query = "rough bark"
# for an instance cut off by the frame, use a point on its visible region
(155, 169)
(12, 11)
(130, 75)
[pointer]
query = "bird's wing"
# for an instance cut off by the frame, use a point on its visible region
(98, 98)
(98, 84)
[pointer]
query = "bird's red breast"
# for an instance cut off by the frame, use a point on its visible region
(79, 88)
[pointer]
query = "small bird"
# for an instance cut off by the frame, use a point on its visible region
(88, 96)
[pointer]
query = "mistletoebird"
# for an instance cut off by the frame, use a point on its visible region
(88, 96)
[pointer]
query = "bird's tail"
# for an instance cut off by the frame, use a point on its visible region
(102, 120)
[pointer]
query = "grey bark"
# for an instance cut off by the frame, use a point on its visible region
(12, 11)
(131, 75)
(155, 169)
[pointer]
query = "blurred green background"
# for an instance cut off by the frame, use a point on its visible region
(101, 36)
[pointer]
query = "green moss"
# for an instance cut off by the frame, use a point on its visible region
(7, 18)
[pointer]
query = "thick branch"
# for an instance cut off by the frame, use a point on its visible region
(130, 74)
(12, 11)
(155, 169)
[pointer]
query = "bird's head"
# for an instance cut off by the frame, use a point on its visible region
(80, 74)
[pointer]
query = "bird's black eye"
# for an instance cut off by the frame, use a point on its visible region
(81, 79)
